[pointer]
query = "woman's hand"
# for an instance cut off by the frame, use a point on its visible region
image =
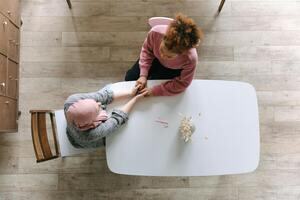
(141, 82)
(146, 91)
(129, 105)
(135, 90)
(140, 95)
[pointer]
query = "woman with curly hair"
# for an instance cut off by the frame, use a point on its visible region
(168, 52)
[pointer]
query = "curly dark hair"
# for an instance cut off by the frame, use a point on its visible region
(182, 34)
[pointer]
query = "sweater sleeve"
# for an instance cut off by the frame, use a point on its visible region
(178, 84)
(147, 55)
(117, 119)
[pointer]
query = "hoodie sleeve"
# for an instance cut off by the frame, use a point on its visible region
(178, 84)
(147, 55)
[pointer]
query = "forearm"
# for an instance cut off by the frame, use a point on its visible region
(121, 95)
(170, 88)
(176, 85)
(146, 55)
(128, 106)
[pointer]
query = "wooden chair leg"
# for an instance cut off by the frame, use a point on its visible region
(69, 4)
(221, 5)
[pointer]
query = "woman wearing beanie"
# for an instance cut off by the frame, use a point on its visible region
(168, 52)
(87, 121)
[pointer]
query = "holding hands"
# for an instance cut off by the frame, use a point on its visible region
(141, 85)
(138, 92)
(141, 82)
(136, 95)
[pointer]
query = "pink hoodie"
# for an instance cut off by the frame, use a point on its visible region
(187, 62)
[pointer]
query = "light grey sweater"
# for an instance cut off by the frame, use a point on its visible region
(93, 138)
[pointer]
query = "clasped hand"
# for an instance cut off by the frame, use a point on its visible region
(141, 87)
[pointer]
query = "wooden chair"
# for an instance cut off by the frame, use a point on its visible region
(41, 144)
(153, 21)
(69, 4)
(40, 137)
(221, 5)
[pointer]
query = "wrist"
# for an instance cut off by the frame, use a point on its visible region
(130, 94)
(143, 76)
(150, 93)
(134, 99)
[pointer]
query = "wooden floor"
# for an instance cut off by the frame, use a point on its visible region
(64, 52)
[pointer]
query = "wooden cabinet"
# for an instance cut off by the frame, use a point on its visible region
(4, 6)
(12, 79)
(11, 9)
(8, 114)
(3, 33)
(9, 64)
(3, 75)
(13, 42)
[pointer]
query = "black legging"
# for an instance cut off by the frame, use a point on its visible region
(157, 71)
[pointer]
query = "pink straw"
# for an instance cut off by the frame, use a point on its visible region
(163, 122)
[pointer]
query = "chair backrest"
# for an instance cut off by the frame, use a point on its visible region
(153, 21)
(40, 139)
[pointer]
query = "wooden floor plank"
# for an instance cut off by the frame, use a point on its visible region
(68, 51)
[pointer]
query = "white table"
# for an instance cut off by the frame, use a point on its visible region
(226, 139)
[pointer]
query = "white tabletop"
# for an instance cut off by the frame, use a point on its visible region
(225, 141)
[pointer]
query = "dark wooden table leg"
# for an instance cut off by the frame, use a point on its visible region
(69, 3)
(221, 5)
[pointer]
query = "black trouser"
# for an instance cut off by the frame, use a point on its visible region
(157, 71)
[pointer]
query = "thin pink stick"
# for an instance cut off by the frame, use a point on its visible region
(163, 122)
